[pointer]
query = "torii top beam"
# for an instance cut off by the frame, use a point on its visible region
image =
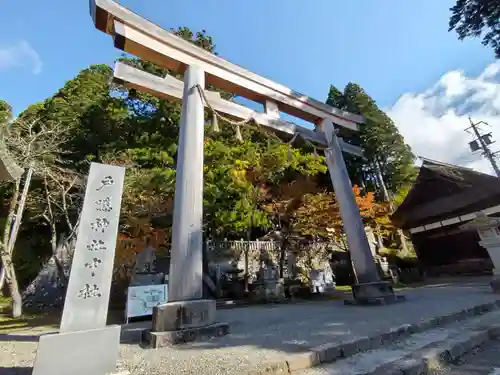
(171, 88)
(142, 38)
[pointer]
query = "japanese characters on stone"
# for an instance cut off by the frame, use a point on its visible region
(87, 297)
(95, 246)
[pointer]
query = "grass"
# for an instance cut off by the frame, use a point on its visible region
(26, 321)
(397, 286)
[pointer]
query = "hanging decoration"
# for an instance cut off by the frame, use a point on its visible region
(215, 115)
(249, 121)
(238, 135)
(215, 123)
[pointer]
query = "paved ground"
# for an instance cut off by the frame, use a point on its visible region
(261, 334)
(482, 361)
(370, 362)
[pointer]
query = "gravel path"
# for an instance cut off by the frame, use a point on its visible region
(262, 334)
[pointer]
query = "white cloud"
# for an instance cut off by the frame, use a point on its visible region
(20, 54)
(434, 120)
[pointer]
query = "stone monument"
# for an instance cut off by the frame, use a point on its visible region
(489, 234)
(145, 260)
(269, 285)
(85, 344)
(144, 272)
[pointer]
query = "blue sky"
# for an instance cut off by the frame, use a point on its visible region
(390, 47)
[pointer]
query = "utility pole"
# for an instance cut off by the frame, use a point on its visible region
(483, 142)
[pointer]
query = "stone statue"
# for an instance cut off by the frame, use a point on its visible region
(145, 269)
(145, 260)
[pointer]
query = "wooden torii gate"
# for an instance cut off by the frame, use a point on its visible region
(140, 37)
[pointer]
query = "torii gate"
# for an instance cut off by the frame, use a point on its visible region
(140, 37)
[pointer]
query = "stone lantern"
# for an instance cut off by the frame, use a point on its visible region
(488, 229)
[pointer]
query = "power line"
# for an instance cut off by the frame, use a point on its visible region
(482, 142)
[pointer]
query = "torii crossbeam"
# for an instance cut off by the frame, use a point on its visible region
(140, 37)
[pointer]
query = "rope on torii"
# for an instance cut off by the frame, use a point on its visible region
(250, 119)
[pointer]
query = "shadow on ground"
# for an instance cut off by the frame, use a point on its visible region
(16, 370)
(299, 327)
(25, 338)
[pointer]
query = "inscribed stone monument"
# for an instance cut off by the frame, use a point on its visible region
(85, 345)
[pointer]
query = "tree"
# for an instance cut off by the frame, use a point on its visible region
(319, 214)
(5, 113)
(56, 199)
(387, 166)
(34, 145)
(318, 217)
(476, 18)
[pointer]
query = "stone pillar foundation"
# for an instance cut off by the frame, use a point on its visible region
(376, 293)
(183, 321)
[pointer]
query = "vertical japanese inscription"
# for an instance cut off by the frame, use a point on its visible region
(89, 291)
(106, 181)
(92, 265)
(104, 205)
(96, 245)
(99, 224)
(90, 279)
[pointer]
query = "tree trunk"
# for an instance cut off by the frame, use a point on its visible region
(15, 295)
(8, 228)
(11, 280)
(402, 240)
(56, 246)
(2, 278)
(20, 210)
(13, 228)
(284, 244)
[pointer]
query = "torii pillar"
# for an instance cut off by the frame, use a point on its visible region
(186, 315)
(369, 289)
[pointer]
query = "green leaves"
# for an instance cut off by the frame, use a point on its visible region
(476, 18)
(379, 137)
(5, 113)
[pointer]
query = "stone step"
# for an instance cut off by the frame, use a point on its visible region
(419, 353)
(328, 356)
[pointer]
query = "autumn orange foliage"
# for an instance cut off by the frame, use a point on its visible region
(319, 213)
(139, 236)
